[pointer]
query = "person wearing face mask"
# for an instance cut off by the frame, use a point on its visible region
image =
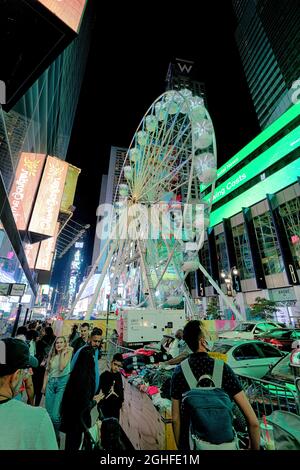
(202, 365)
(81, 391)
(22, 427)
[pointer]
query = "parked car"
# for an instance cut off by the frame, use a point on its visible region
(276, 390)
(248, 329)
(282, 338)
(246, 357)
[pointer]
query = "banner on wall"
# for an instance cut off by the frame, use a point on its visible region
(46, 252)
(47, 204)
(31, 251)
(70, 188)
(24, 187)
(68, 11)
(66, 327)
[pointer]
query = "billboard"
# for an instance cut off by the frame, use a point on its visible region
(24, 187)
(69, 11)
(17, 290)
(274, 183)
(46, 252)
(259, 164)
(31, 251)
(47, 204)
(70, 188)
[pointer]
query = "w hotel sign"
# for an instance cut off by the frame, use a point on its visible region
(184, 67)
(48, 201)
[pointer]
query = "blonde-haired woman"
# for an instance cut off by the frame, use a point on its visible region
(56, 378)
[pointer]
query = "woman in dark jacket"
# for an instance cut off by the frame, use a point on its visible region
(80, 393)
(43, 347)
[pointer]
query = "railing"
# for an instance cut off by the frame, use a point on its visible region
(266, 397)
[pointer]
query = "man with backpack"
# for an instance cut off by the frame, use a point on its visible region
(202, 390)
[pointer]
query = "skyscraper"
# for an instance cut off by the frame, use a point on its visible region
(41, 121)
(181, 74)
(109, 185)
(268, 39)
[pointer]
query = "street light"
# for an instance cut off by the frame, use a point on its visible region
(231, 280)
(235, 271)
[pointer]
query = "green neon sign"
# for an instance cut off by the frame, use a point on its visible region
(273, 154)
(276, 126)
(274, 183)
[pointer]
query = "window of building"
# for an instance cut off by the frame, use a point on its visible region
(223, 262)
(290, 213)
(242, 252)
(268, 244)
(205, 261)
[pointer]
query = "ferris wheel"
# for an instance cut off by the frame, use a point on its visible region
(160, 211)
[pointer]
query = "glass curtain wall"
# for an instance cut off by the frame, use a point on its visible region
(242, 251)
(205, 261)
(223, 262)
(290, 213)
(269, 250)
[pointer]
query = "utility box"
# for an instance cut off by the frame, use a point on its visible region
(145, 325)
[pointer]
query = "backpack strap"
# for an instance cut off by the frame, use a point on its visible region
(218, 373)
(188, 374)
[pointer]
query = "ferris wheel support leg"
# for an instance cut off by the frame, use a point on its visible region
(100, 281)
(166, 267)
(221, 293)
(189, 302)
(88, 278)
(146, 274)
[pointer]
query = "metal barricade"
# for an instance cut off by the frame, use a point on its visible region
(266, 397)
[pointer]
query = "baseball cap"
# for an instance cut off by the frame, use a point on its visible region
(14, 354)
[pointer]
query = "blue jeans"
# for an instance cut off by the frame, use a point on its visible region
(54, 393)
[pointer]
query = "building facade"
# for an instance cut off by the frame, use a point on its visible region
(268, 39)
(39, 123)
(255, 221)
(109, 184)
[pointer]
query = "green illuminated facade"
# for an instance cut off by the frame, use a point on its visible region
(255, 219)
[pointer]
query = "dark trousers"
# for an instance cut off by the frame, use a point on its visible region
(38, 379)
(73, 440)
(109, 411)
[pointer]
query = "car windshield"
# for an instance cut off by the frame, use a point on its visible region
(244, 327)
(283, 369)
(221, 348)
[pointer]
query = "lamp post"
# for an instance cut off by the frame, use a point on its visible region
(232, 281)
(107, 318)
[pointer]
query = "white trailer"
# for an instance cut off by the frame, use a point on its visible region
(145, 325)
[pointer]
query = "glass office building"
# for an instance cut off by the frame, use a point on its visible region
(39, 123)
(268, 39)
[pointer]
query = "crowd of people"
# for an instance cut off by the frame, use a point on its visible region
(66, 371)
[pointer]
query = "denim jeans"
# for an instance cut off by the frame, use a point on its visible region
(54, 393)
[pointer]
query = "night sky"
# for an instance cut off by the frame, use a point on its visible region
(128, 62)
